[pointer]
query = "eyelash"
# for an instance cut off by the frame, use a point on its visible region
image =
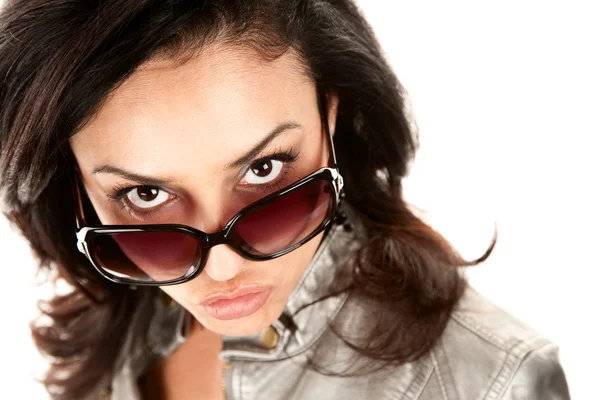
(119, 191)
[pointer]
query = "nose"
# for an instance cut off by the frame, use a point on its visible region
(223, 264)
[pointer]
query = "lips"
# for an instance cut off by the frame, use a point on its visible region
(232, 294)
(236, 304)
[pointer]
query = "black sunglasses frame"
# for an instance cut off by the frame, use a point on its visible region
(85, 233)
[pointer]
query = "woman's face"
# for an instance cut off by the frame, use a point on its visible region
(189, 128)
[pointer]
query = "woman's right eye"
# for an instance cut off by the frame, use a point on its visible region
(145, 197)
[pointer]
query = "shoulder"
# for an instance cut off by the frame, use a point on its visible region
(487, 353)
(484, 353)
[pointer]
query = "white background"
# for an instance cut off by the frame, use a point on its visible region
(507, 99)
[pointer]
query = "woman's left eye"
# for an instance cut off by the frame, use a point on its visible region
(263, 171)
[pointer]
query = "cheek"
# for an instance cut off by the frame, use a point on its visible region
(176, 292)
(292, 266)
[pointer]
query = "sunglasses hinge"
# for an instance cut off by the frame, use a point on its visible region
(81, 234)
(338, 181)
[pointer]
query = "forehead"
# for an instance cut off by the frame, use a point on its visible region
(217, 104)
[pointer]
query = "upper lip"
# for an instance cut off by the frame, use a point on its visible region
(232, 294)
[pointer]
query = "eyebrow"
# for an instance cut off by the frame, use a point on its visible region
(123, 173)
(260, 146)
(243, 160)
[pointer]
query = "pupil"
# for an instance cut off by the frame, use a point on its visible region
(147, 193)
(264, 169)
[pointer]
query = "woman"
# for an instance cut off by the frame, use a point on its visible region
(220, 182)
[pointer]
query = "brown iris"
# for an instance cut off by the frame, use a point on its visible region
(264, 169)
(147, 193)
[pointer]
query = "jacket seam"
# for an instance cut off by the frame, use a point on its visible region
(445, 372)
(513, 360)
(501, 344)
(439, 376)
(415, 388)
(425, 383)
(478, 330)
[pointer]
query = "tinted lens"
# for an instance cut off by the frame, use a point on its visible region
(146, 256)
(285, 221)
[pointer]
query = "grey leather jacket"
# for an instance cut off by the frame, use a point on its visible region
(485, 353)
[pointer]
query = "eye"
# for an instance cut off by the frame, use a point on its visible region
(263, 171)
(146, 197)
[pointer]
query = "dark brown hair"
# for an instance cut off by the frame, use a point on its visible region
(60, 58)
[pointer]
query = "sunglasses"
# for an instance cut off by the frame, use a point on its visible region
(169, 254)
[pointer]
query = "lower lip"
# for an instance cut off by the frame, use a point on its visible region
(239, 307)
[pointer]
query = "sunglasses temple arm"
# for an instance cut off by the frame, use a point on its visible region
(331, 146)
(79, 217)
(323, 109)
